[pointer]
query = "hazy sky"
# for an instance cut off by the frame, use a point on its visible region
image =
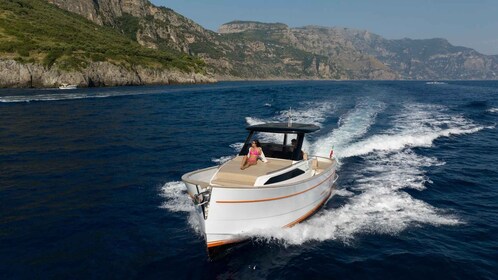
(470, 23)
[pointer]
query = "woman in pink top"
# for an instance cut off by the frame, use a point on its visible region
(254, 153)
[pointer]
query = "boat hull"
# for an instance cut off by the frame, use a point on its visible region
(68, 87)
(235, 213)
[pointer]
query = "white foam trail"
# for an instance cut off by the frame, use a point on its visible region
(377, 212)
(254, 121)
(177, 200)
(352, 125)
(222, 160)
(418, 126)
(84, 93)
(493, 110)
(394, 170)
(398, 142)
(67, 96)
(381, 207)
(343, 192)
(310, 112)
(237, 146)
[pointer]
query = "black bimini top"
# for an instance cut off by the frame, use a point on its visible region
(284, 128)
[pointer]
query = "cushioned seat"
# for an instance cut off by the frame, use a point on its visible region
(231, 175)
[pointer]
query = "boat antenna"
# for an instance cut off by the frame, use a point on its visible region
(289, 122)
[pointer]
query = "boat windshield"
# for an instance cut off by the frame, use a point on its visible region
(276, 145)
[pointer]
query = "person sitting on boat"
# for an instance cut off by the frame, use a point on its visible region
(294, 145)
(255, 152)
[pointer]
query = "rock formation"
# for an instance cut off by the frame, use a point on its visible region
(15, 74)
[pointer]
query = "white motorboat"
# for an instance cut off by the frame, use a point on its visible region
(231, 203)
(67, 86)
(435, 83)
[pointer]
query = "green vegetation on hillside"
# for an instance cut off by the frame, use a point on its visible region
(129, 25)
(35, 31)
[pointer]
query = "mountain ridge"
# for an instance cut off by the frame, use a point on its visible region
(252, 50)
(445, 62)
(346, 53)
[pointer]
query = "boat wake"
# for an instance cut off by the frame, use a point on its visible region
(89, 93)
(69, 96)
(375, 204)
(418, 126)
(353, 125)
(310, 112)
(374, 194)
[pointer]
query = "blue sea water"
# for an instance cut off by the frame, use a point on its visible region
(90, 181)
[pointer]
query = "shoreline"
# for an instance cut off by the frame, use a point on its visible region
(230, 80)
(14, 74)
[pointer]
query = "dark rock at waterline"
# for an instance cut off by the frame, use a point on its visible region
(15, 74)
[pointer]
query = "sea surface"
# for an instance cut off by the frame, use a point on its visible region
(90, 182)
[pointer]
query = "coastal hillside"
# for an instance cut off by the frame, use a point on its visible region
(345, 61)
(412, 59)
(363, 54)
(226, 56)
(44, 46)
(255, 50)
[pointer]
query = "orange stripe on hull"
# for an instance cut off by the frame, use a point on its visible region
(309, 212)
(273, 198)
(222, 242)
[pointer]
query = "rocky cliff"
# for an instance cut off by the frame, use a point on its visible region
(44, 46)
(432, 59)
(256, 50)
(15, 74)
(153, 27)
(346, 61)
(227, 56)
(364, 55)
(243, 26)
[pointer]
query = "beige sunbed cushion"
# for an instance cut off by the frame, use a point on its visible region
(231, 175)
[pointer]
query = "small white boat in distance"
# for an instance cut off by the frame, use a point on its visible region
(435, 83)
(281, 192)
(67, 86)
